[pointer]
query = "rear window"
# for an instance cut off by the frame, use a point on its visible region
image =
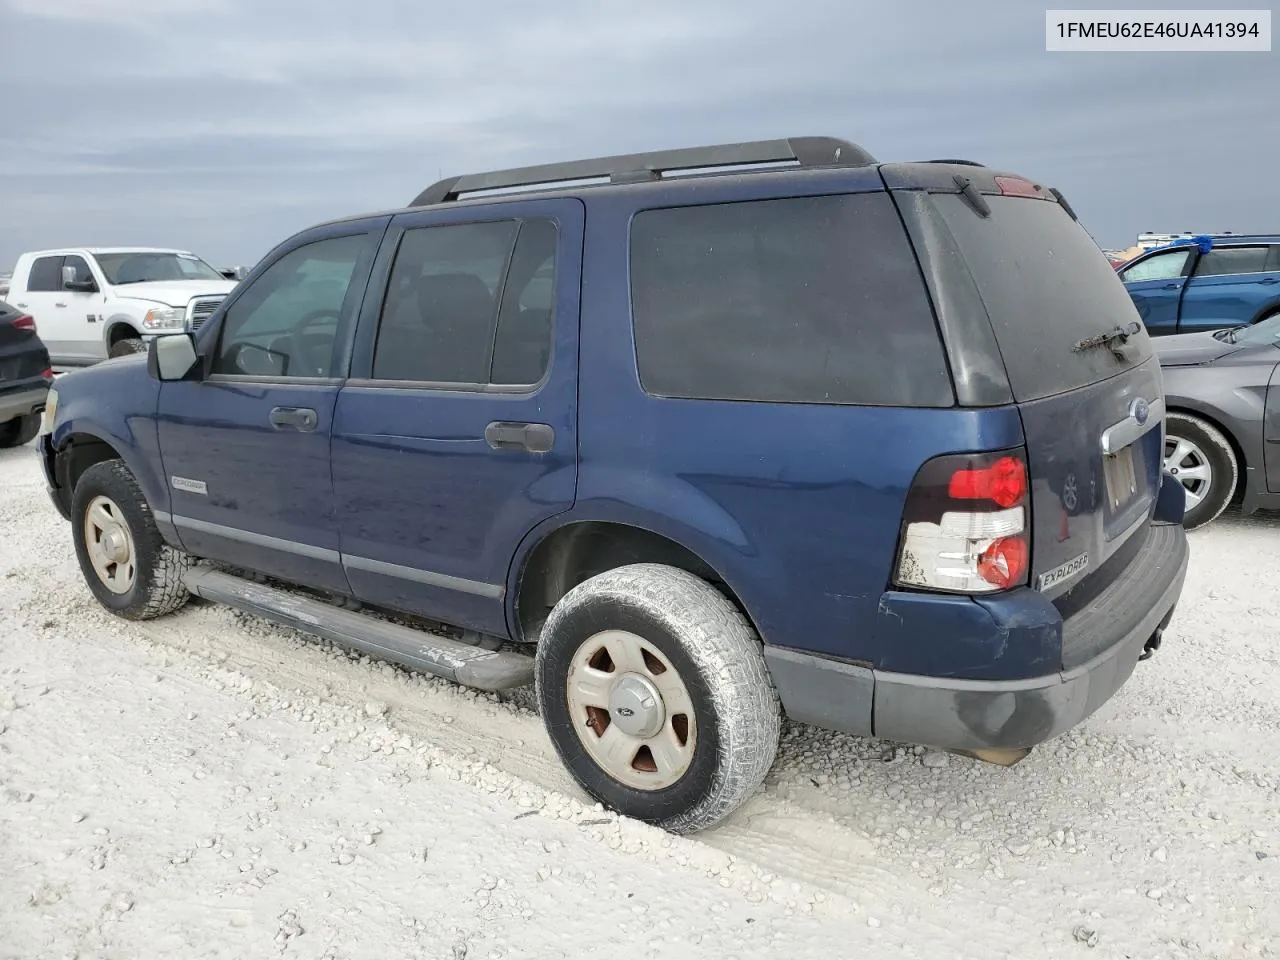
(1046, 286)
(804, 300)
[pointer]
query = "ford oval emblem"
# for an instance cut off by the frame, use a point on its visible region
(1141, 411)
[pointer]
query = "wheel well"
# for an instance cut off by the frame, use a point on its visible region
(579, 551)
(1241, 462)
(121, 331)
(80, 452)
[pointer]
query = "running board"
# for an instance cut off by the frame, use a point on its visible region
(450, 659)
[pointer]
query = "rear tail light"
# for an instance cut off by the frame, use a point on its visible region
(25, 322)
(48, 373)
(966, 527)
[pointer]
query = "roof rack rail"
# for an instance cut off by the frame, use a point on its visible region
(638, 167)
(966, 163)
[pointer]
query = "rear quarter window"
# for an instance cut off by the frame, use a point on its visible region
(1046, 286)
(801, 300)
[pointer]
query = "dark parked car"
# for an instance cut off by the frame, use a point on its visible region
(1221, 281)
(24, 377)
(1222, 436)
(879, 443)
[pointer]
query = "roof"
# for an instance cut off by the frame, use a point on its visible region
(63, 251)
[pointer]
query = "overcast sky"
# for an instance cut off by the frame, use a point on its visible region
(222, 126)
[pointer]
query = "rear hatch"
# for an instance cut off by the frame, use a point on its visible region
(1014, 275)
(22, 353)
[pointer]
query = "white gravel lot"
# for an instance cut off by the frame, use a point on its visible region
(209, 785)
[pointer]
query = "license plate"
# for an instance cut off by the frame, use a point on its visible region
(1121, 481)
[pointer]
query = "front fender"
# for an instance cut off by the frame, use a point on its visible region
(121, 318)
(115, 402)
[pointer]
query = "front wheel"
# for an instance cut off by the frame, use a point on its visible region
(126, 563)
(655, 692)
(123, 348)
(1200, 457)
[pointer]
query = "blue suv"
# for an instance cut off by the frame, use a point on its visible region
(690, 440)
(1206, 283)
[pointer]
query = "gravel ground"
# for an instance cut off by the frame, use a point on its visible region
(209, 785)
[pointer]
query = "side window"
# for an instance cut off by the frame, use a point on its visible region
(805, 300)
(286, 323)
(1228, 260)
(46, 275)
(469, 304)
(526, 319)
(1273, 259)
(83, 273)
(1162, 266)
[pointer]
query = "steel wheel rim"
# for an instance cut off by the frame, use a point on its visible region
(631, 710)
(1188, 463)
(110, 545)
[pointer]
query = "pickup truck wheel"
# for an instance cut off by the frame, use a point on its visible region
(128, 566)
(19, 431)
(656, 695)
(122, 348)
(1201, 458)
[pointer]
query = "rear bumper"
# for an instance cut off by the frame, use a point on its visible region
(22, 401)
(960, 714)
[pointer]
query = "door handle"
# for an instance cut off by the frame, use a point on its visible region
(1172, 286)
(506, 435)
(22, 305)
(59, 304)
(299, 418)
(1267, 282)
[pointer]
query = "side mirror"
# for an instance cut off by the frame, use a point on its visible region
(69, 282)
(171, 357)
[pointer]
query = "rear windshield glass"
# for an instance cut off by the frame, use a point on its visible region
(805, 300)
(1046, 286)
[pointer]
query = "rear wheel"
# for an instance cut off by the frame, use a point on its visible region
(1200, 457)
(655, 692)
(123, 348)
(128, 566)
(19, 430)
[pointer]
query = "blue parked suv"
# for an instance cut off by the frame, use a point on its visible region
(689, 446)
(1211, 282)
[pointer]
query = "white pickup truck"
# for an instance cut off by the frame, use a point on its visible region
(94, 303)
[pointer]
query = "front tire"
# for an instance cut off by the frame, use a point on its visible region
(19, 431)
(127, 565)
(655, 693)
(1200, 456)
(123, 348)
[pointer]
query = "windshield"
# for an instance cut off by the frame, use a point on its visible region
(1265, 331)
(147, 267)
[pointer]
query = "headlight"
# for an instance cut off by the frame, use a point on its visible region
(50, 411)
(165, 318)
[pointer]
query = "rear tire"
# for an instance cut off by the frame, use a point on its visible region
(1200, 456)
(126, 563)
(19, 431)
(688, 721)
(123, 348)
